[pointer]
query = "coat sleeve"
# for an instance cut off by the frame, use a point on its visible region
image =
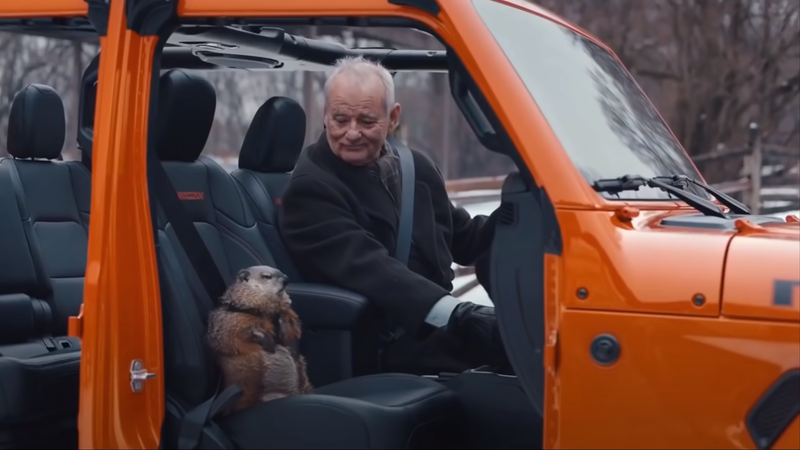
(329, 246)
(472, 236)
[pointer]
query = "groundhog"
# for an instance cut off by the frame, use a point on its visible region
(254, 334)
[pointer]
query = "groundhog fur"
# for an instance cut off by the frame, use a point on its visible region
(253, 334)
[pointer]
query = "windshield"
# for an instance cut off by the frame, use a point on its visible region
(603, 120)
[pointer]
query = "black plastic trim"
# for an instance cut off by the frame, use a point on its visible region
(98, 15)
(151, 17)
(786, 392)
(429, 6)
(715, 223)
(86, 108)
(288, 50)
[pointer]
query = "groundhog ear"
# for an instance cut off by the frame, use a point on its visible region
(243, 275)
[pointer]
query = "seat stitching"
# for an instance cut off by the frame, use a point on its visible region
(207, 168)
(417, 400)
(260, 185)
(16, 180)
(216, 224)
(243, 242)
(84, 225)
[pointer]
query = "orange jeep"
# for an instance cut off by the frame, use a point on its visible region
(640, 308)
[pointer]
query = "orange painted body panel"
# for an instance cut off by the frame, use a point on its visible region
(624, 268)
(42, 8)
(122, 307)
(749, 285)
(675, 384)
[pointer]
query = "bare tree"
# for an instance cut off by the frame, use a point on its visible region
(710, 66)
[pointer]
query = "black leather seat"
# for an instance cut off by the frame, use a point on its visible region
(44, 219)
(269, 153)
(378, 411)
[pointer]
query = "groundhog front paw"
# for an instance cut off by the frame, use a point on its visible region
(264, 340)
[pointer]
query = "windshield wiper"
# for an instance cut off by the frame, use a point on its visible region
(682, 181)
(634, 182)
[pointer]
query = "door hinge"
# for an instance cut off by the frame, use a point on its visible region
(139, 375)
(553, 359)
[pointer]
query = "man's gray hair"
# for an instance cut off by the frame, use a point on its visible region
(360, 67)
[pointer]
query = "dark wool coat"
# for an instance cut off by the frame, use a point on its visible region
(339, 224)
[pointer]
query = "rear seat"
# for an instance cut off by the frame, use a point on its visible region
(379, 411)
(44, 215)
(269, 153)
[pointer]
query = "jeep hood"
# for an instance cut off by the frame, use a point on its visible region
(761, 275)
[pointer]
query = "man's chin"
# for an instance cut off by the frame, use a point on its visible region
(356, 157)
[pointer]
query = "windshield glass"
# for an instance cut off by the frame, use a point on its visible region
(603, 120)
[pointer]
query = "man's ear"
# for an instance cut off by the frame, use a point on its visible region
(394, 116)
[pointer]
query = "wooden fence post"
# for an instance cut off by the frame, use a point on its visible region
(755, 166)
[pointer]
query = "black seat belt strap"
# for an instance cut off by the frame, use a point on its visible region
(195, 421)
(188, 236)
(402, 248)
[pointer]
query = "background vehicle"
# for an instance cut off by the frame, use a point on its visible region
(624, 313)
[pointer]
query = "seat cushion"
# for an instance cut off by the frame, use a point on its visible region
(39, 387)
(376, 411)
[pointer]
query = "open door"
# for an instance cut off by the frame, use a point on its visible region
(526, 231)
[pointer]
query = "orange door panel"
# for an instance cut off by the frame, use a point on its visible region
(677, 383)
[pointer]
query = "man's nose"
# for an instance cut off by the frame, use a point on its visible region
(352, 134)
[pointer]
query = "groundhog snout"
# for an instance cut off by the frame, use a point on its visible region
(263, 274)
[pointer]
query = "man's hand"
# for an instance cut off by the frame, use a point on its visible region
(476, 327)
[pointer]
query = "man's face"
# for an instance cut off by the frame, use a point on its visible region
(356, 121)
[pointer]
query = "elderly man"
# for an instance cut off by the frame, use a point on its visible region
(340, 221)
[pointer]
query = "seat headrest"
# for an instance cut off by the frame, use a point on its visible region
(275, 138)
(186, 106)
(36, 123)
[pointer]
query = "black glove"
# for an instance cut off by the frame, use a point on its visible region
(476, 327)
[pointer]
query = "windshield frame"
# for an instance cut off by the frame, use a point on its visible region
(641, 140)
